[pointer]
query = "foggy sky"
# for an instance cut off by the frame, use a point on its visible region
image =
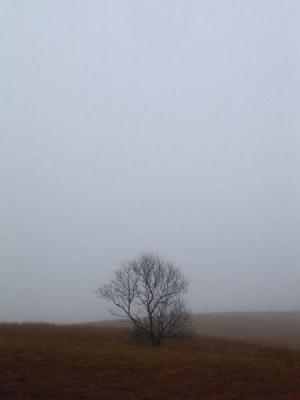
(170, 126)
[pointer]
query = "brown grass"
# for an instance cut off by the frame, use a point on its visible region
(267, 328)
(48, 362)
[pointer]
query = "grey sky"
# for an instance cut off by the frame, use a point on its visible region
(134, 125)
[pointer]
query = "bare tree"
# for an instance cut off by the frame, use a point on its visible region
(148, 290)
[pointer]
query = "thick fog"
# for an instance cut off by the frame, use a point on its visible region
(170, 126)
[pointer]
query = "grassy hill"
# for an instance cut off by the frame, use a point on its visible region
(48, 362)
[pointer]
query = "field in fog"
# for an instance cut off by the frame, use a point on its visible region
(267, 328)
(279, 329)
(48, 362)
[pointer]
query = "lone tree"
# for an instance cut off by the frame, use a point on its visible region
(148, 290)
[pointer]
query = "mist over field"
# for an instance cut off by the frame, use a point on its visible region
(129, 126)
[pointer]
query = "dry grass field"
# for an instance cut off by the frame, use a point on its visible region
(48, 362)
(266, 328)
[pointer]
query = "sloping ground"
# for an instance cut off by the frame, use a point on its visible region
(48, 362)
(280, 329)
(267, 328)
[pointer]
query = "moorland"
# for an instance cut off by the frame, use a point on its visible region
(104, 361)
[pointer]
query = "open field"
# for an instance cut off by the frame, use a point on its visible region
(48, 362)
(277, 329)
(266, 328)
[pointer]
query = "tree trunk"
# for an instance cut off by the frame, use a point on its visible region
(155, 341)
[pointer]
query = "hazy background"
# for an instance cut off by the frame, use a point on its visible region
(170, 126)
